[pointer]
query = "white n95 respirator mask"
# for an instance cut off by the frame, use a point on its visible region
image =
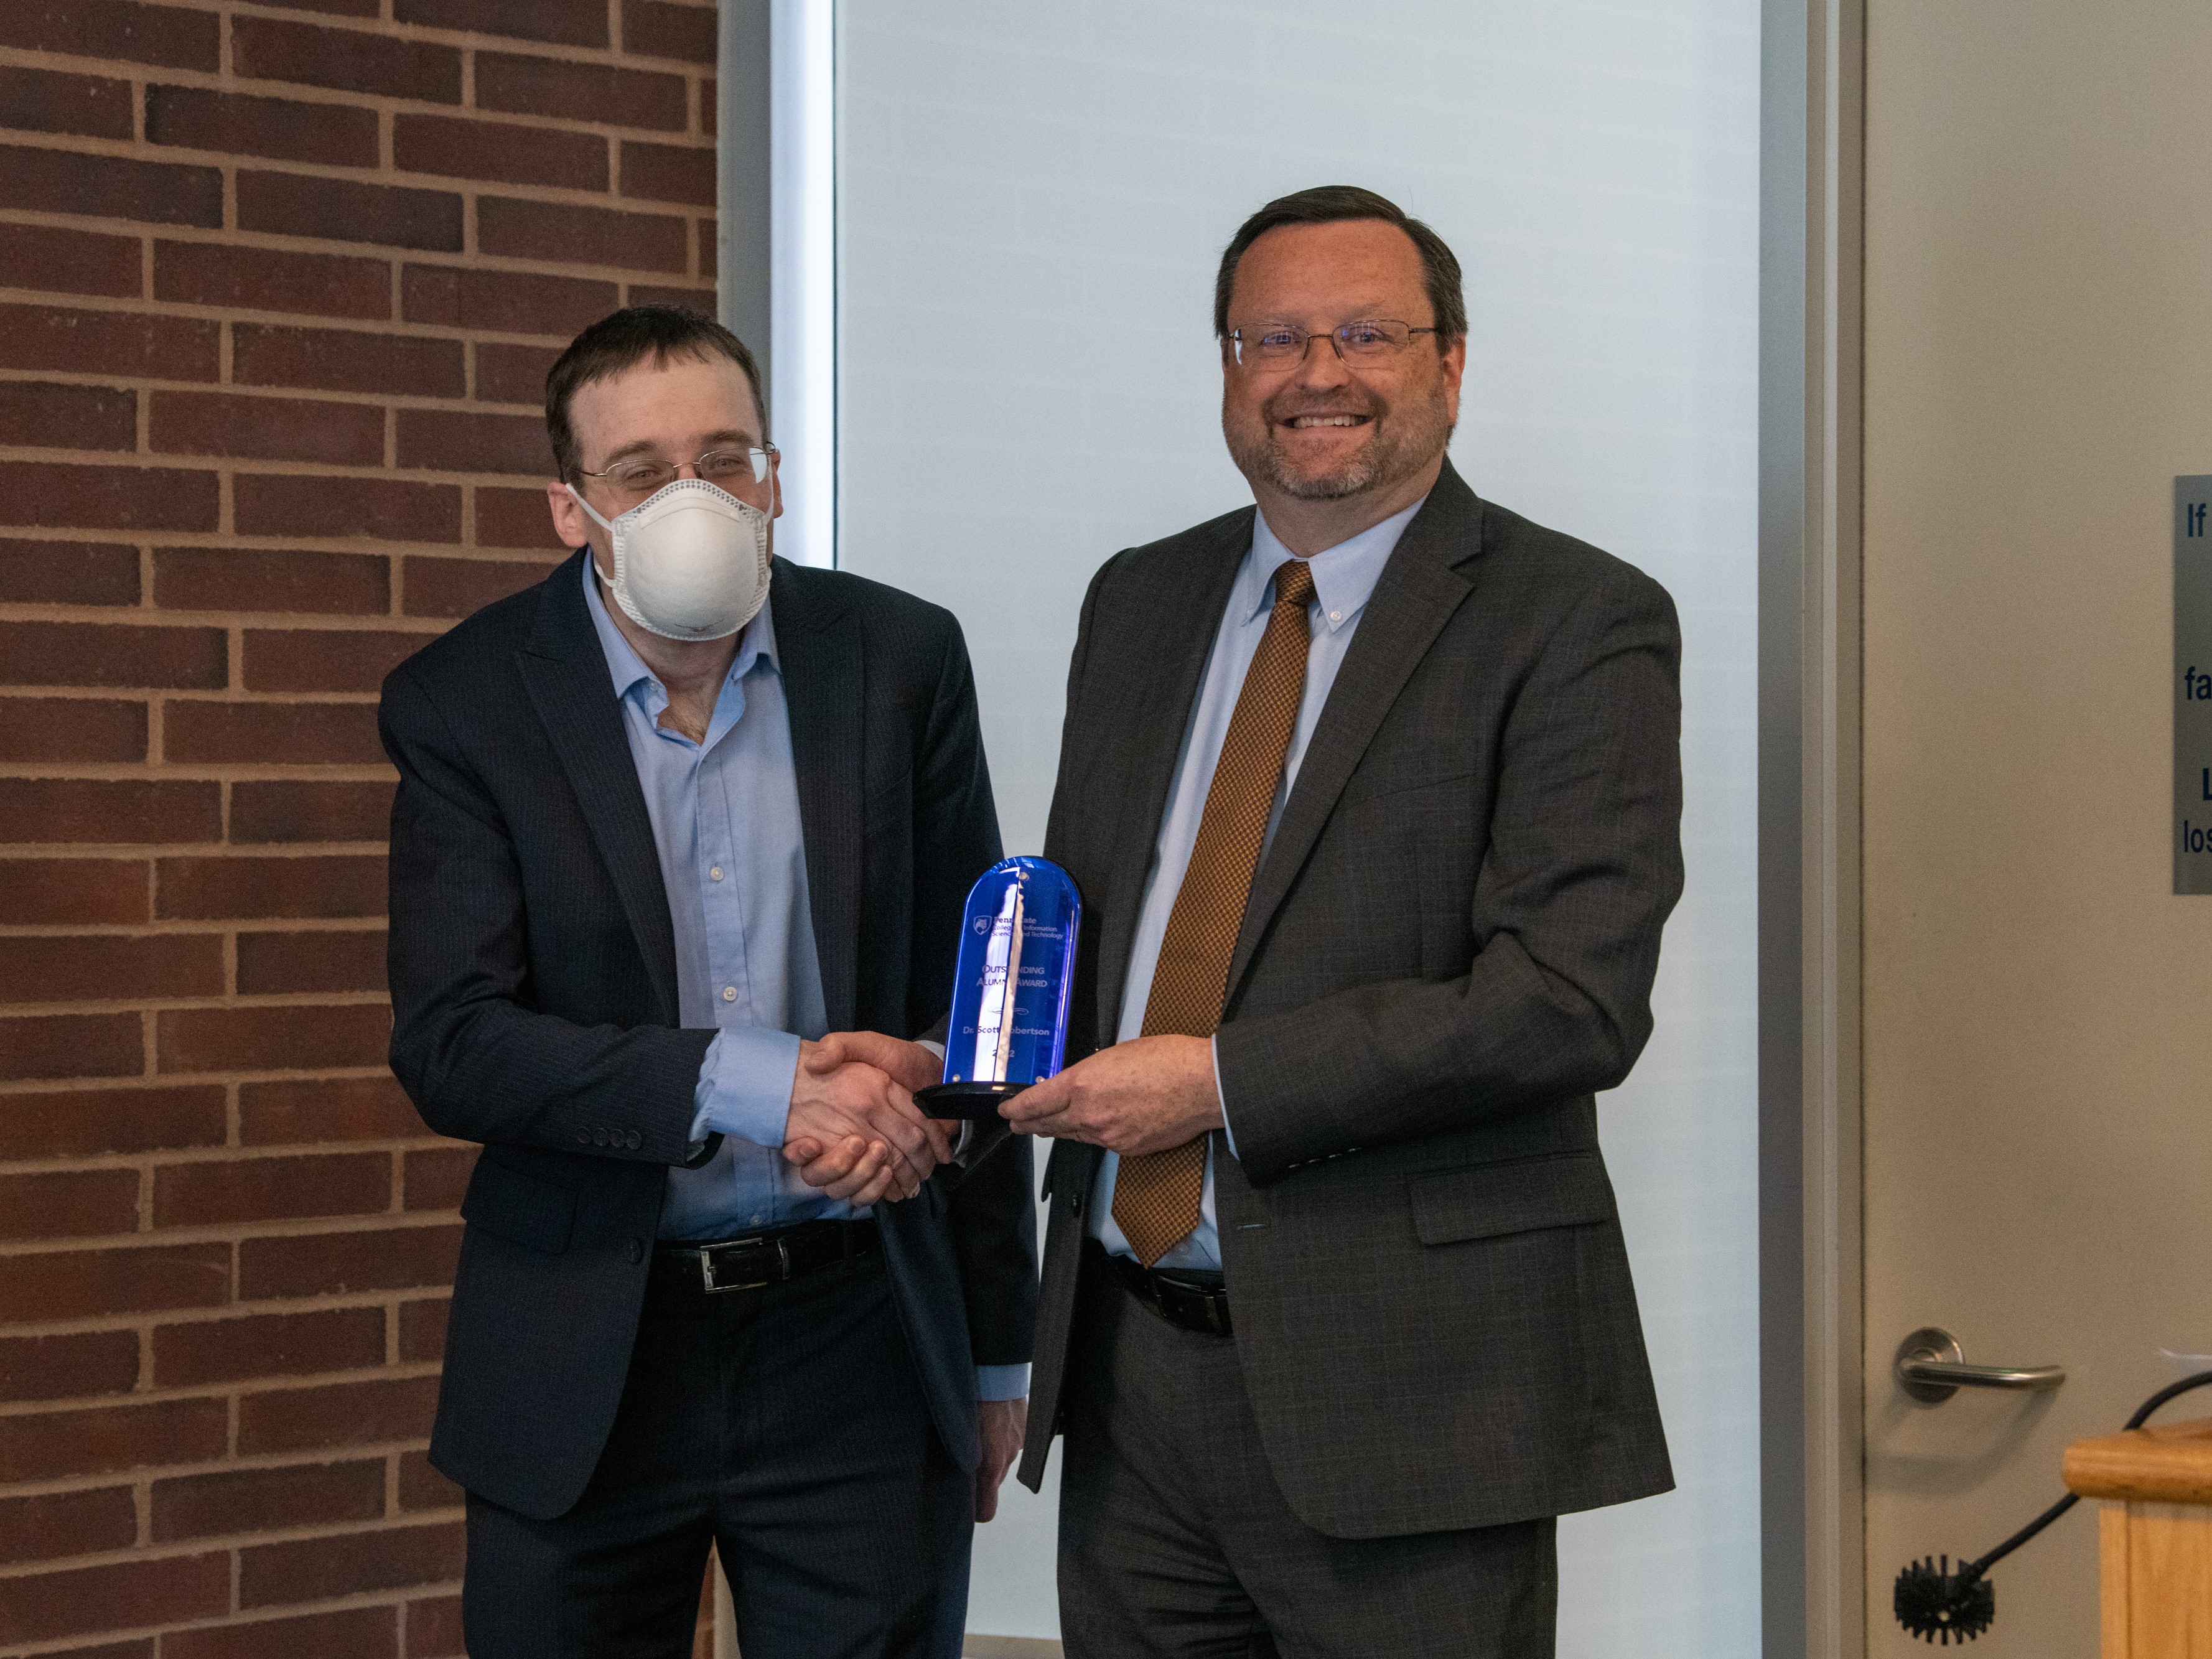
(691, 560)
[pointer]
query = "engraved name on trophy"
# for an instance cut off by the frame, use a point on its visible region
(1010, 990)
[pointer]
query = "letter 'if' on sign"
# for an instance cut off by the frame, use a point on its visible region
(2192, 822)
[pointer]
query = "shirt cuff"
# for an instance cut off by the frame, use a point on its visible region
(1213, 1047)
(745, 1085)
(1002, 1382)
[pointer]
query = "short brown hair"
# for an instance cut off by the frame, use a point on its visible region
(1329, 204)
(621, 341)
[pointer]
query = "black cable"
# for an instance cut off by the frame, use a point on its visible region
(1932, 1601)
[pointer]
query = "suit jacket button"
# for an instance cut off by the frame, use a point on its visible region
(1075, 1204)
(583, 1137)
(634, 1140)
(599, 1136)
(636, 1251)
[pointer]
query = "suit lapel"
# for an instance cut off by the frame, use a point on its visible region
(818, 652)
(1415, 597)
(566, 674)
(1181, 621)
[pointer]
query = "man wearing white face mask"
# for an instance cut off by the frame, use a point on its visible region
(678, 858)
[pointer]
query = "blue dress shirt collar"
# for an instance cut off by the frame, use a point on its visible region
(1343, 577)
(755, 645)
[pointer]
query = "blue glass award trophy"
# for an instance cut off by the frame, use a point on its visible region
(1009, 991)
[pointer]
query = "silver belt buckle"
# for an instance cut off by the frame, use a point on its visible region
(707, 1265)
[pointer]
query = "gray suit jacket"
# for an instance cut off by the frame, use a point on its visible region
(1448, 949)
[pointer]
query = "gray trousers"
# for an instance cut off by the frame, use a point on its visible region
(1175, 1540)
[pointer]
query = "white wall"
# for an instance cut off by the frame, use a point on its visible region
(1031, 202)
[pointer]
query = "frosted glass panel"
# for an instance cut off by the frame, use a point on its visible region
(1031, 202)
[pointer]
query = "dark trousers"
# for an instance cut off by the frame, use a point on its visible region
(786, 1425)
(1175, 1540)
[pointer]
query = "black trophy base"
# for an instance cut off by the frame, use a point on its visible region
(978, 1103)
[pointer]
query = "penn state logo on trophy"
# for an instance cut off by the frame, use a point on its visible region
(1010, 989)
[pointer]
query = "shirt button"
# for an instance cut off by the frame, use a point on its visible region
(729, 993)
(716, 872)
(1336, 616)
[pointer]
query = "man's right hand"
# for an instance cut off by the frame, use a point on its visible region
(854, 1133)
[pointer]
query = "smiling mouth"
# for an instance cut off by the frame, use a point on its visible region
(1303, 423)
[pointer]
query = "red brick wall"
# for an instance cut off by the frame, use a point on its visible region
(278, 286)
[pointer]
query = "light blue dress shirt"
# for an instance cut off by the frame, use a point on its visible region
(733, 852)
(1344, 577)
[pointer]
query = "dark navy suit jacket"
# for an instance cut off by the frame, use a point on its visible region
(533, 988)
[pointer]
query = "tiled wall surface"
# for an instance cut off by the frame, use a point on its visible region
(278, 288)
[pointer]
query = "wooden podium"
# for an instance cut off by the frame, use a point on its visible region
(2155, 1536)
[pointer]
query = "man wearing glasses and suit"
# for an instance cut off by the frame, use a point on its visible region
(1373, 796)
(679, 859)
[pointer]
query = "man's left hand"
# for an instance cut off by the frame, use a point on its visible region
(1143, 1096)
(1000, 1424)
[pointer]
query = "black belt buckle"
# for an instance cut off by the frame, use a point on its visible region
(1200, 1308)
(706, 1264)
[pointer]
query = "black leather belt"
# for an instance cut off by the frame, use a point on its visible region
(1196, 1301)
(762, 1259)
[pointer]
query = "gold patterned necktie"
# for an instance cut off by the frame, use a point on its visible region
(1157, 1196)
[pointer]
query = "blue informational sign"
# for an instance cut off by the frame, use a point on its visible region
(1009, 991)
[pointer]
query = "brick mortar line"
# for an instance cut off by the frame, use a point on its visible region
(257, 390)
(184, 771)
(269, 242)
(301, 1228)
(465, 41)
(241, 694)
(66, 1085)
(229, 1002)
(145, 77)
(412, 1370)
(206, 1233)
(185, 310)
(195, 539)
(468, 186)
(440, 1517)
(167, 1157)
(184, 850)
(145, 1323)
(171, 927)
(360, 1451)
(392, 1154)
(211, 1543)
(61, 1647)
(261, 466)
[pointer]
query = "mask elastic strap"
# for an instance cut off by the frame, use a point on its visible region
(587, 506)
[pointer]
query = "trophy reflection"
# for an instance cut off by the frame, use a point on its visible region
(1010, 990)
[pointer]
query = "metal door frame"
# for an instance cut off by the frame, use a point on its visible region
(1811, 246)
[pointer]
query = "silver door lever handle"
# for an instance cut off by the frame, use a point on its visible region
(1931, 1368)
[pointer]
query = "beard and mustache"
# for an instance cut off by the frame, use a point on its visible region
(1398, 440)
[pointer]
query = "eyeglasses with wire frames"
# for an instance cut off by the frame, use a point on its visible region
(636, 476)
(1281, 345)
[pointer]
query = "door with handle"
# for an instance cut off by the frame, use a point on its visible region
(2037, 1004)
